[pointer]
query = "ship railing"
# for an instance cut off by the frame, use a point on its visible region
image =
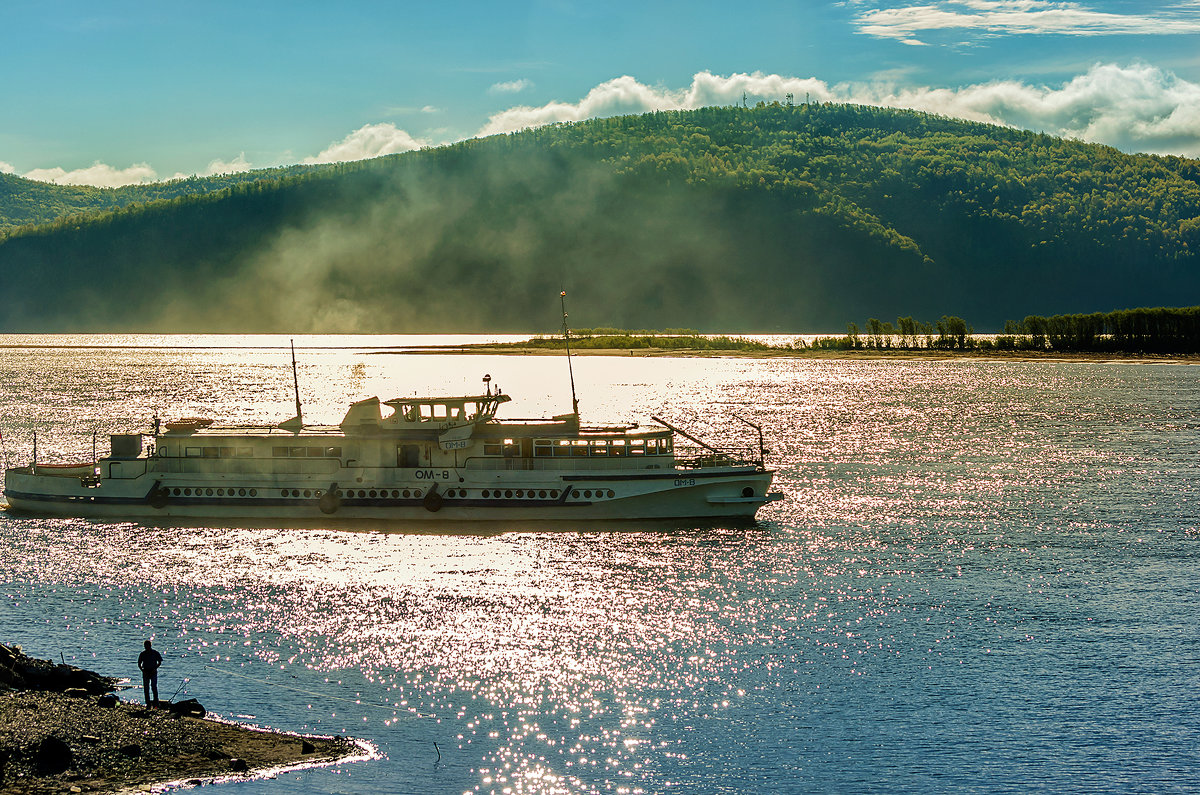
(705, 458)
(555, 464)
(248, 466)
(684, 458)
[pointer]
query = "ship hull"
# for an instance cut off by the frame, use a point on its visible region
(445, 495)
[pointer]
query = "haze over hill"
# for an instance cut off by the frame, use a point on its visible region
(732, 219)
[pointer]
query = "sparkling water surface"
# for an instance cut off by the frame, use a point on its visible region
(983, 577)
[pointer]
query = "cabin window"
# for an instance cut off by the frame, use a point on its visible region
(617, 448)
(295, 452)
(211, 452)
(492, 448)
(600, 447)
(511, 449)
(543, 448)
(637, 447)
(579, 448)
(226, 452)
(563, 448)
(193, 452)
(245, 452)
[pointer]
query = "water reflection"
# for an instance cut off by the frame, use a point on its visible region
(965, 550)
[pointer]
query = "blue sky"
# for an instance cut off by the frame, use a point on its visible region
(116, 92)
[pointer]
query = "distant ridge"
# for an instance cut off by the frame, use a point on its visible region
(719, 219)
(29, 203)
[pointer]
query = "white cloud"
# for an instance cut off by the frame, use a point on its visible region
(625, 95)
(511, 86)
(1134, 108)
(370, 140)
(7, 168)
(431, 109)
(237, 165)
(218, 166)
(1019, 17)
(98, 174)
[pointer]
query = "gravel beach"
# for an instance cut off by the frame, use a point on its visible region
(80, 741)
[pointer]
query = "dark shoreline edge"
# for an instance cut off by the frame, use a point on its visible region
(62, 730)
(126, 746)
(873, 354)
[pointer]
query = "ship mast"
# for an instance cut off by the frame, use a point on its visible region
(296, 383)
(567, 338)
(295, 424)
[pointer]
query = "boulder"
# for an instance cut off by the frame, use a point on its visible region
(22, 672)
(52, 756)
(190, 708)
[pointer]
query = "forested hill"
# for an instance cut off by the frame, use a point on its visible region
(26, 202)
(731, 219)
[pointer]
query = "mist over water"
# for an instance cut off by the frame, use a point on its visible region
(983, 577)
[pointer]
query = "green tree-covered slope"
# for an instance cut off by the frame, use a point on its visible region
(25, 203)
(727, 219)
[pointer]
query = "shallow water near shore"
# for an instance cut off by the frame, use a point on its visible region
(984, 577)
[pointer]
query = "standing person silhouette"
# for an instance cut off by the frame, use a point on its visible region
(148, 662)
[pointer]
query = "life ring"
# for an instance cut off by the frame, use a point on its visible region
(331, 500)
(432, 501)
(157, 497)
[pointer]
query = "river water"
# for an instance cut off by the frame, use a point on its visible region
(984, 577)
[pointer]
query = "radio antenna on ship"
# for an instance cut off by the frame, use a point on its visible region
(567, 338)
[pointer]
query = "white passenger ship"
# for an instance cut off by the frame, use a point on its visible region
(441, 459)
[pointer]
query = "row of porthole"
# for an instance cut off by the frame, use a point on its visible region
(362, 494)
(522, 493)
(214, 492)
(397, 493)
(542, 494)
(587, 493)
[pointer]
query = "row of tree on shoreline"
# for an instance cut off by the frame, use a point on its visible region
(1142, 330)
(1146, 330)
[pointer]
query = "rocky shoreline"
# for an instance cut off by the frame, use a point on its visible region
(62, 730)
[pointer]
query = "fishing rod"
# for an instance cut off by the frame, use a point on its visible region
(394, 709)
(180, 688)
